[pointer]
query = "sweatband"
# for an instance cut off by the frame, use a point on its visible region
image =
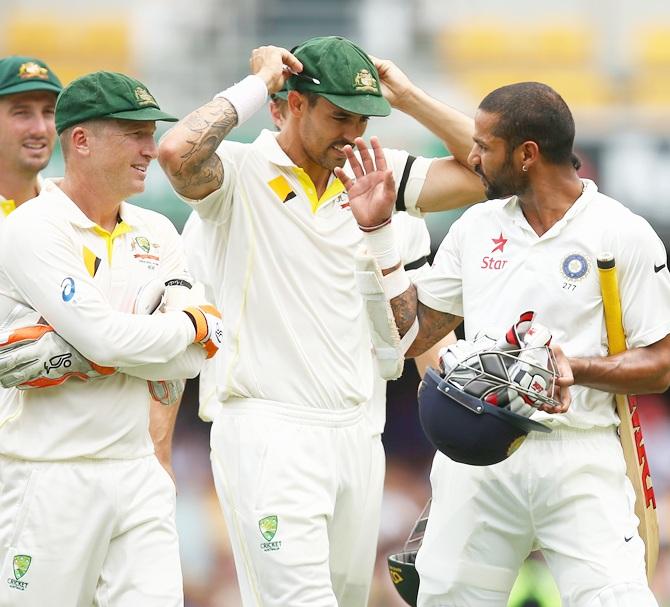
(381, 245)
(395, 283)
(247, 97)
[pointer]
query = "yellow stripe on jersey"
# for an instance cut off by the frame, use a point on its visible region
(7, 206)
(282, 188)
(120, 229)
(91, 261)
(307, 184)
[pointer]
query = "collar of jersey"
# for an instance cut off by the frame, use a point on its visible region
(513, 207)
(77, 217)
(268, 146)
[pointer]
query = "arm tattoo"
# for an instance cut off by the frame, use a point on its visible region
(204, 129)
(433, 325)
(404, 309)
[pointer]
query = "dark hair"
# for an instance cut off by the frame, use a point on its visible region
(532, 111)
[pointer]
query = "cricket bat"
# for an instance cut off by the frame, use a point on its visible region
(630, 431)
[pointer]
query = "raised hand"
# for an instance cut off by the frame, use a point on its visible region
(395, 84)
(372, 193)
(270, 63)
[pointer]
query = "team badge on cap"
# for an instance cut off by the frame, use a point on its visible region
(365, 82)
(32, 70)
(144, 97)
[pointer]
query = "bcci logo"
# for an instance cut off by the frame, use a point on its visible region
(268, 528)
(575, 266)
(21, 565)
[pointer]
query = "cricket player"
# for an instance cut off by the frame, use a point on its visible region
(86, 510)
(296, 462)
(534, 248)
(28, 91)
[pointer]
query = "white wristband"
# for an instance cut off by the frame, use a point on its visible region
(381, 245)
(247, 97)
(395, 283)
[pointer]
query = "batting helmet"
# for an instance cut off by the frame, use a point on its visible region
(404, 575)
(466, 428)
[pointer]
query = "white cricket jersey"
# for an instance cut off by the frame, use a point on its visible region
(282, 270)
(8, 205)
(84, 281)
(492, 266)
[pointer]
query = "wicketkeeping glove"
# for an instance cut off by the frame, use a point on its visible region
(178, 294)
(156, 297)
(34, 356)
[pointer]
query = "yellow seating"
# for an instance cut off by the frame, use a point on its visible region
(501, 42)
(71, 47)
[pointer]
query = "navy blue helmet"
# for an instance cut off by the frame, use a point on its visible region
(465, 427)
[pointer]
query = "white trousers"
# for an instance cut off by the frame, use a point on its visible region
(300, 490)
(566, 493)
(88, 532)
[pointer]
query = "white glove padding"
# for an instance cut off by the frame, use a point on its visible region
(165, 296)
(167, 392)
(36, 357)
(158, 296)
(534, 370)
(460, 351)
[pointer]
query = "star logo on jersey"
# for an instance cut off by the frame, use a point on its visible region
(495, 263)
(499, 243)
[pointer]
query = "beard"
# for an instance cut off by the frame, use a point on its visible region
(505, 183)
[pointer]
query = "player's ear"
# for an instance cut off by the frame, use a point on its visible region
(297, 103)
(79, 140)
(529, 153)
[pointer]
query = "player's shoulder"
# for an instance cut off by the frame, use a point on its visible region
(141, 218)
(612, 214)
(41, 210)
(489, 209)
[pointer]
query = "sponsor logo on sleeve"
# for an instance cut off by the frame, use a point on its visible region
(657, 269)
(68, 289)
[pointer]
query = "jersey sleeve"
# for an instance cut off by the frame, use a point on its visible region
(53, 280)
(412, 239)
(644, 283)
(441, 287)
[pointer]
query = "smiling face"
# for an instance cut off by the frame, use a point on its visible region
(325, 129)
(493, 161)
(27, 131)
(120, 154)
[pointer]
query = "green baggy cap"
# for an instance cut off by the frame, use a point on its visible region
(23, 74)
(106, 95)
(348, 78)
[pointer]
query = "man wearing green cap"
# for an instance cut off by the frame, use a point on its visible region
(28, 91)
(297, 464)
(86, 510)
